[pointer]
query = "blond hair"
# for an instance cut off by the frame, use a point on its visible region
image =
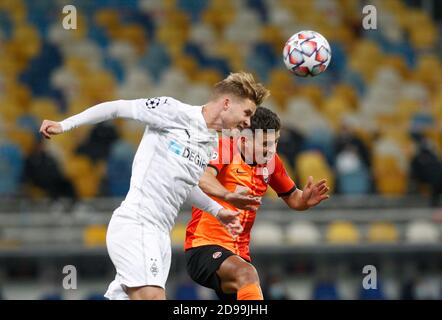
(241, 85)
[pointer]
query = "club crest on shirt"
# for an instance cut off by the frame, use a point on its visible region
(154, 268)
(217, 254)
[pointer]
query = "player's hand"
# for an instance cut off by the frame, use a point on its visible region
(230, 221)
(49, 128)
(313, 194)
(243, 201)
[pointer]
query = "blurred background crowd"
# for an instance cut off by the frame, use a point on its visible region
(371, 124)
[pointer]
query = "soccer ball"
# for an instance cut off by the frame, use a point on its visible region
(307, 53)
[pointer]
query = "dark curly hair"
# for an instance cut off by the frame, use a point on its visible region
(265, 119)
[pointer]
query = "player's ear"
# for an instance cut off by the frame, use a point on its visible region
(226, 104)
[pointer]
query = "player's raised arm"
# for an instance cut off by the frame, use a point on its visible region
(98, 113)
(210, 185)
(150, 111)
(227, 217)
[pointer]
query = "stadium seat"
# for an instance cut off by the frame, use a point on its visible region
(390, 178)
(342, 232)
(383, 232)
(421, 231)
(119, 168)
(178, 234)
(94, 236)
(24, 139)
(313, 163)
(354, 182)
(11, 168)
(303, 233)
(267, 233)
(325, 290)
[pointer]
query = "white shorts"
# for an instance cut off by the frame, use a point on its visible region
(140, 252)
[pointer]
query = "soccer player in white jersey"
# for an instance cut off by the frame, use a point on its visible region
(176, 147)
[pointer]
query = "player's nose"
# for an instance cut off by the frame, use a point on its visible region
(247, 122)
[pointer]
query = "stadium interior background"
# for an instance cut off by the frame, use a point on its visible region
(371, 124)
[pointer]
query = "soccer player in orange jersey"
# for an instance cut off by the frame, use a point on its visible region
(249, 164)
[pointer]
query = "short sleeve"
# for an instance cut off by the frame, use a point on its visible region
(223, 155)
(280, 180)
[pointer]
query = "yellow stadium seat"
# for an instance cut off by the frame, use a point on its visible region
(188, 65)
(99, 86)
(218, 15)
(429, 72)
(107, 18)
(313, 163)
(178, 234)
(45, 108)
(397, 63)
(78, 166)
(281, 86)
(133, 34)
(383, 232)
(9, 110)
(342, 232)
(390, 178)
(272, 35)
(366, 58)
(23, 138)
(94, 236)
(313, 93)
(27, 39)
(208, 76)
(19, 94)
(334, 108)
(231, 52)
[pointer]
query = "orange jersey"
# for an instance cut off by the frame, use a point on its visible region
(236, 175)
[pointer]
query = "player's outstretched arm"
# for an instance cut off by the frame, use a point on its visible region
(210, 185)
(228, 218)
(99, 113)
(312, 195)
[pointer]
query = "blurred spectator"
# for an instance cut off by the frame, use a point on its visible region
(42, 170)
(99, 143)
(426, 167)
(352, 174)
(290, 144)
(347, 139)
(274, 288)
(352, 163)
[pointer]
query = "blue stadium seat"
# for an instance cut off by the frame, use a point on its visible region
(357, 182)
(11, 168)
(119, 168)
(325, 290)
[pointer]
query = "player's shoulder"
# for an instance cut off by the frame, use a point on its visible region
(160, 100)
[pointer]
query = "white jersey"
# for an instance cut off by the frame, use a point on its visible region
(172, 156)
